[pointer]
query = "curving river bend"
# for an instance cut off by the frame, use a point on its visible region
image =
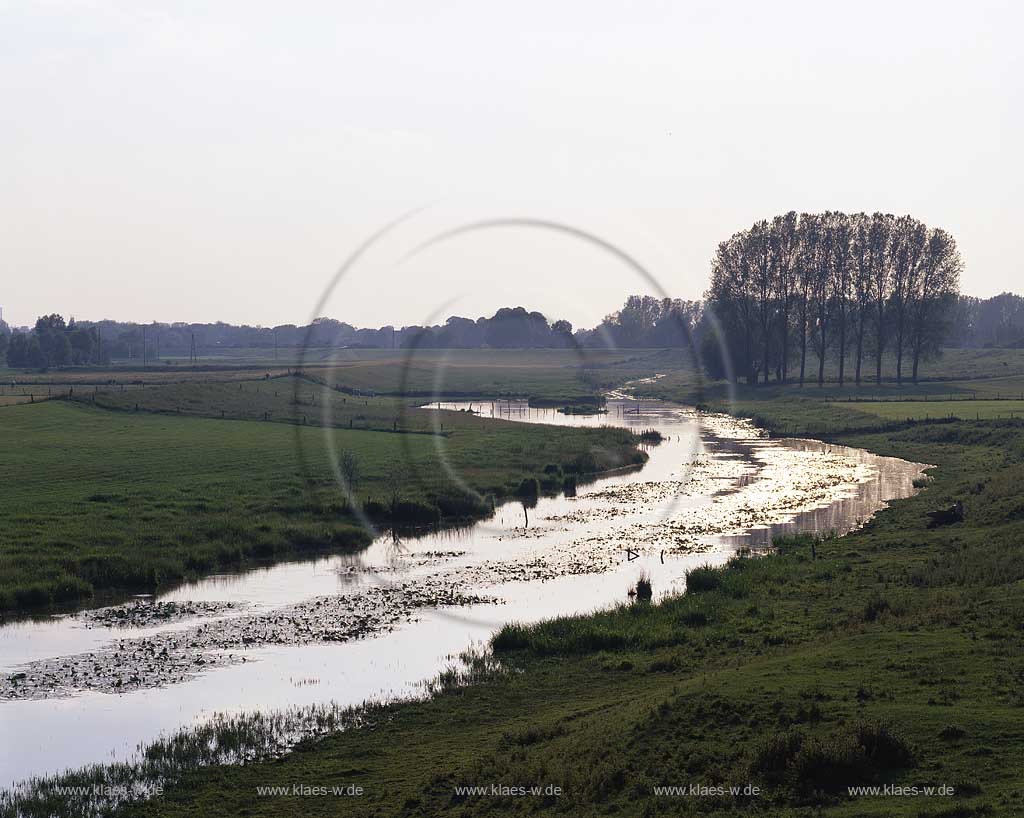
(92, 687)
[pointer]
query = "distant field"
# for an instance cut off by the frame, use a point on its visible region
(932, 409)
(548, 373)
(283, 399)
(11, 400)
(552, 373)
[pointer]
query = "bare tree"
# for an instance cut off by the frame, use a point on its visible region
(351, 471)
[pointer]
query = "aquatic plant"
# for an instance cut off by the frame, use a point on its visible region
(644, 590)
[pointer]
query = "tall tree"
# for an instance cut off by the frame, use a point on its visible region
(809, 231)
(785, 248)
(860, 252)
(909, 237)
(934, 298)
(757, 251)
(881, 282)
(823, 292)
(841, 262)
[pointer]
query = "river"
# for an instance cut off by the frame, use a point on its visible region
(94, 686)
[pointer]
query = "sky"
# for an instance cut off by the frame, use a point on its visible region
(223, 161)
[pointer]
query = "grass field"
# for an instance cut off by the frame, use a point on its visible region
(893, 657)
(102, 500)
(935, 409)
(556, 374)
(287, 399)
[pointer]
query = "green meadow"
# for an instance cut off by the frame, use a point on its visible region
(891, 656)
(98, 500)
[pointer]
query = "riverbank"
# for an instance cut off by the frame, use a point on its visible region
(109, 502)
(890, 656)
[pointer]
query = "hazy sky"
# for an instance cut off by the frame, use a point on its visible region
(203, 161)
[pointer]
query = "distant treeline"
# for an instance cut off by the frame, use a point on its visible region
(988, 322)
(785, 296)
(793, 291)
(642, 322)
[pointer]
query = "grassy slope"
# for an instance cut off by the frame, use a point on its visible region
(96, 499)
(923, 629)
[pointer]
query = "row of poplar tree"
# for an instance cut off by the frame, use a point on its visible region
(849, 287)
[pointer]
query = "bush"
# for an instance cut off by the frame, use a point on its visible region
(774, 755)
(644, 590)
(529, 487)
(511, 637)
(885, 746)
(855, 755)
(703, 579)
(829, 764)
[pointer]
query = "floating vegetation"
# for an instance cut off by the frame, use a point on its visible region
(177, 655)
(141, 614)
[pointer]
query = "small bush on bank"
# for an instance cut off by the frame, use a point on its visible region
(857, 754)
(529, 487)
(703, 580)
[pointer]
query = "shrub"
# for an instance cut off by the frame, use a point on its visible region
(885, 747)
(829, 764)
(703, 579)
(529, 487)
(644, 590)
(512, 636)
(775, 753)
(855, 755)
